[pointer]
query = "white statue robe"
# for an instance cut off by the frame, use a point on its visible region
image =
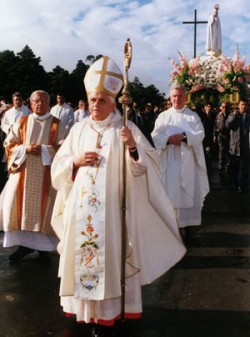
(183, 168)
(214, 42)
(87, 218)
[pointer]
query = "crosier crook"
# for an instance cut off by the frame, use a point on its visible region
(125, 99)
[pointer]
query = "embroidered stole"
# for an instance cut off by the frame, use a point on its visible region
(90, 220)
(46, 175)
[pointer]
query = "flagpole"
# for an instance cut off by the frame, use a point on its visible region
(125, 99)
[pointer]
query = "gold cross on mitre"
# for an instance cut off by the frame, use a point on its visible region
(104, 76)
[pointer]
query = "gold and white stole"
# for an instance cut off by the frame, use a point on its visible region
(90, 216)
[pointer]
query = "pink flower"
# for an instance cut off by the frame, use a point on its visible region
(237, 55)
(219, 87)
(196, 88)
(174, 73)
(247, 68)
(240, 79)
(182, 58)
(173, 63)
(237, 68)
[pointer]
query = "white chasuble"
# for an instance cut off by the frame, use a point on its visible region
(90, 266)
(90, 218)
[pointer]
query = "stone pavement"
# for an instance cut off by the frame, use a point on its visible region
(207, 294)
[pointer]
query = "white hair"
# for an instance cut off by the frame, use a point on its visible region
(40, 92)
(177, 86)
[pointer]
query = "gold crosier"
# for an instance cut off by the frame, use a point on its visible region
(125, 100)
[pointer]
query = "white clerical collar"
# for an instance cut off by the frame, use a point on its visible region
(41, 117)
(101, 124)
(180, 110)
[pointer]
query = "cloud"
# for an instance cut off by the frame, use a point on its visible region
(63, 32)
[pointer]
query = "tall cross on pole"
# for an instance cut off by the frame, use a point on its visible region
(195, 22)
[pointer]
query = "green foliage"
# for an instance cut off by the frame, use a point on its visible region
(58, 83)
(143, 95)
(23, 72)
(8, 76)
(32, 75)
(91, 58)
(77, 89)
(201, 98)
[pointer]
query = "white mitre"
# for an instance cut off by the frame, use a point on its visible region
(104, 76)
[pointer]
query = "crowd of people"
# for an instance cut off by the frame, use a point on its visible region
(226, 135)
(226, 140)
(63, 187)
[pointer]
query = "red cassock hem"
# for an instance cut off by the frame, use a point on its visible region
(111, 321)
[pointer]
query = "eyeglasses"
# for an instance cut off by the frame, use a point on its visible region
(36, 101)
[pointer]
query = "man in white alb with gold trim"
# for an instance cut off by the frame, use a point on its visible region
(28, 197)
(87, 172)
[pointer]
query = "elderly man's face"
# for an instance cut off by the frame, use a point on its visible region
(100, 105)
(39, 104)
(178, 98)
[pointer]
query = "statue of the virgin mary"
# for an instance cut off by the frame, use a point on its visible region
(214, 45)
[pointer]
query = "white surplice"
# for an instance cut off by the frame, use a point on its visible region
(65, 113)
(183, 168)
(87, 218)
(12, 116)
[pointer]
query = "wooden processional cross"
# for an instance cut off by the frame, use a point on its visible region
(195, 22)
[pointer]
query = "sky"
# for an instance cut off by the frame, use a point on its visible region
(62, 32)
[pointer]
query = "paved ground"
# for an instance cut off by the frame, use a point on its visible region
(206, 295)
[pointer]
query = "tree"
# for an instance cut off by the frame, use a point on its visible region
(8, 73)
(77, 89)
(136, 90)
(91, 58)
(142, 95)
(30, 74)
(153, 95)
(59, 82)
(23, 72)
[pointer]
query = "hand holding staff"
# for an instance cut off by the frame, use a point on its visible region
(125, 99)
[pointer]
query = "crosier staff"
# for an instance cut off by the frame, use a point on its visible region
(125, 99)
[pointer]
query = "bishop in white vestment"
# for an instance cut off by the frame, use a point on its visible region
(87, 172)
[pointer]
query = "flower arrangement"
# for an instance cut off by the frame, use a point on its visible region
(212, 78)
